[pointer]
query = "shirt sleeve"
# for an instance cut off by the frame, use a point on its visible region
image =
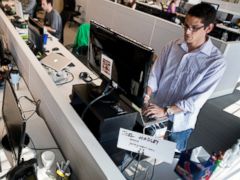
(199, 95)
(157, 68)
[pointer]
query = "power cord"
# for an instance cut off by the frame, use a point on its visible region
(106, 92)
(139, 157)
(153, 169)
(59, 84)
(36, 103)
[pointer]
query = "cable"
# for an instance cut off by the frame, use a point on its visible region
(153, 169)
(36, 103)
(40, 149)
(33, 145)
(105, 93)
(122, 170)
(58, 84)
(137, 165)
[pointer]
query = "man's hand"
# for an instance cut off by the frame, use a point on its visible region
(154, 111)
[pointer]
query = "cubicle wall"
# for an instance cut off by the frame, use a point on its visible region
(87, 157)
(231, 53)
(145, 28)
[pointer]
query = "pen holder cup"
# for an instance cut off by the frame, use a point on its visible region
(63, 176)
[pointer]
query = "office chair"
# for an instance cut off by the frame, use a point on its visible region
(81, 41)
(76, 13)
(64, 16)
(80, 46)
(69, 10)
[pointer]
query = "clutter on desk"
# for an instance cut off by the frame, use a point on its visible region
(195, 164)
(63, 170)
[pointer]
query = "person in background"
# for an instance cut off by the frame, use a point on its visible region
(185, 75)
(28, 6)
(172, 6)
(52, 19)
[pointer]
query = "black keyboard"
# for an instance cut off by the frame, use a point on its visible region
(152, 120)
(147, 119)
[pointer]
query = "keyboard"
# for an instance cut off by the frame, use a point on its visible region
(148, 120)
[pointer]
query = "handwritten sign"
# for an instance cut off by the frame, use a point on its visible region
(148, 145)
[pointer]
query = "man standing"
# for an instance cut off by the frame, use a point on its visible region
(52, 20)
(28, 6)
(185, 75)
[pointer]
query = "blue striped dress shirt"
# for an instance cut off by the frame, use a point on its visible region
(186, 79)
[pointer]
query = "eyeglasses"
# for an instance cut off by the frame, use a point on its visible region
(192, 29)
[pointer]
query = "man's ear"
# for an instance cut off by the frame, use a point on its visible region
(209, 28)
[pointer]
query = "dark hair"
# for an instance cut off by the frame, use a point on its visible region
(50, 1)
(204, 11)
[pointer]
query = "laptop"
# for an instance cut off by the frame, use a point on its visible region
(55, 61)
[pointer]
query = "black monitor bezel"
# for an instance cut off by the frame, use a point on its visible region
(127, 39)
(38, 28)
(20, 124)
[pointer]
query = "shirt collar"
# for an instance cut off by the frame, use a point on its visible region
(205, 48)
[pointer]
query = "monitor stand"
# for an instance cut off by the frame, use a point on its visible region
(6, 145)
(5, 142)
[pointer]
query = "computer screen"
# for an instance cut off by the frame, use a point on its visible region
(13, 121)
(18, 7)
(35, 34)
(155, 11)
(216, 6)
(121, 60)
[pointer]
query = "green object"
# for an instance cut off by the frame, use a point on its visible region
(82, 36)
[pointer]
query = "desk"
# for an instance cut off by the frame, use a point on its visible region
(88, 158)
(38, 132)
(222, 26)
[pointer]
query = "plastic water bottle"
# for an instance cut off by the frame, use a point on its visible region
(224, 36)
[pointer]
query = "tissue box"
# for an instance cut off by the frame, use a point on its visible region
(191, 170)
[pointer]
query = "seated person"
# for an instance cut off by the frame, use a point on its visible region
(28, 6)
(52, 19)
(172, 6)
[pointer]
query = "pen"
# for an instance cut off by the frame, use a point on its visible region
(58, 166)
(62, 164)
(66, 166)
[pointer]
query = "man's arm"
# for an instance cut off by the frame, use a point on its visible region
(49, 29)
(200, 94)
(197, 97)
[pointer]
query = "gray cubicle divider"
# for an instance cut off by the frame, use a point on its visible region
(88, 159)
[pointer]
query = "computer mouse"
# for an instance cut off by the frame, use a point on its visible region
(55, 49)
(83, 75)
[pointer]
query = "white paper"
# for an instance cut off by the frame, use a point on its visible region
(148, 145)
(106, 66)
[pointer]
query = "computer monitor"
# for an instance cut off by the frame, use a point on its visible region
(216, 6)
(121, 60)
(14, 123)
(19, 10)
(35, 34)
(155, 11)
